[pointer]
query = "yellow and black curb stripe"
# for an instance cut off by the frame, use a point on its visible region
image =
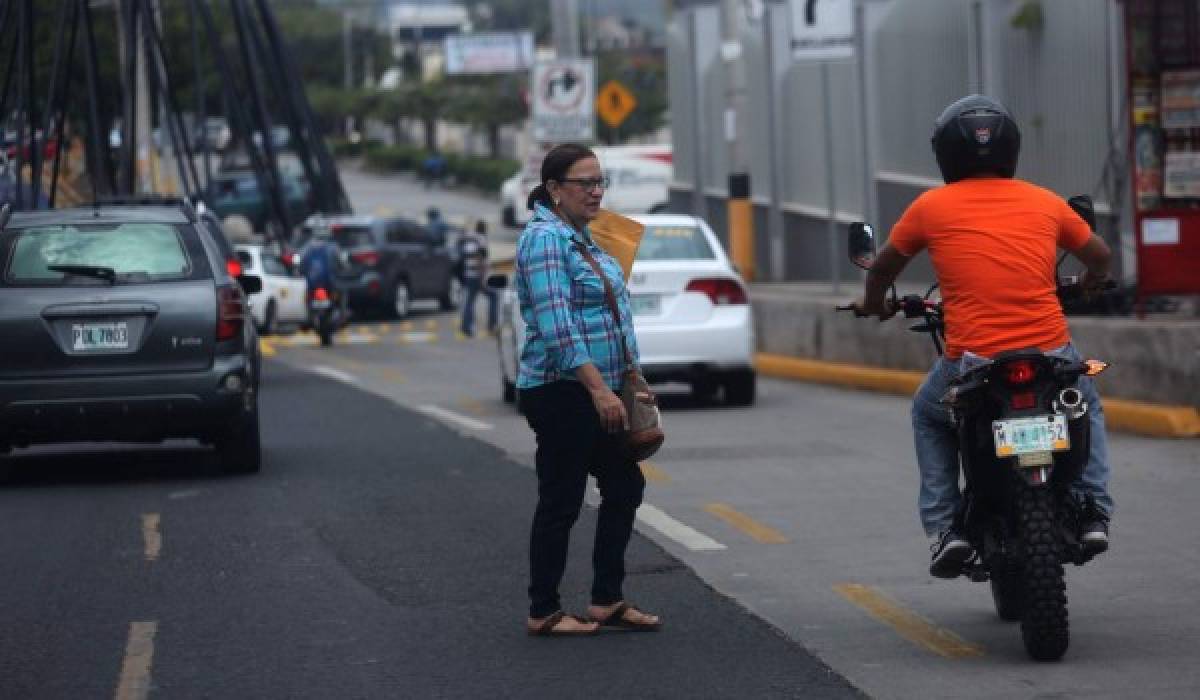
(1151, 419)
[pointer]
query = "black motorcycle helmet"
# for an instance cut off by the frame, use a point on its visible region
(976, 134)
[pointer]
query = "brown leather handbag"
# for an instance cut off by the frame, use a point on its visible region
(645, 434)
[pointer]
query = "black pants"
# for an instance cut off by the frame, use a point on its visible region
(570, 444)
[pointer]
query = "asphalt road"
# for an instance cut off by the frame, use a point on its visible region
(378, 555)
(802, 509)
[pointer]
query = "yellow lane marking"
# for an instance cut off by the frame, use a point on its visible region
(266, 348)
(151, 536)
(134, 683)
(908, 624)
(746, 524)
(460, 336)
(406, 326)
(431, 325)
(417, 337)
(384, 329)
(653, 473)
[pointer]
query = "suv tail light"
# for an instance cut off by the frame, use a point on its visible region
(231, 312)
(320, 294)
(723, 291)
(369, 258)
(1019, 372)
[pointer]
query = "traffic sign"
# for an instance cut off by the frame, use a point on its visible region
(615, 103)
(822, 30)
(563, 95)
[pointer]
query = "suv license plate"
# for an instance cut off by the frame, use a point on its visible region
(87, 337)
(1018, 436)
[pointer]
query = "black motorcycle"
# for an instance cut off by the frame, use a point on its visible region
(1023, 435)
(326, 315)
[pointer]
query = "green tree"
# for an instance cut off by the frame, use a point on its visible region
(488, 103)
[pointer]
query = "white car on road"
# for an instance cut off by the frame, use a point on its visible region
(282, 297)
(692, 314)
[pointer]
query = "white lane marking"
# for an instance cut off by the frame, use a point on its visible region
(444, 414)
(135, 669)
(685, 535)
(335, 373)
(151, 535)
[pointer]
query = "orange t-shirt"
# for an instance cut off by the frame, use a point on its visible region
(993, 242)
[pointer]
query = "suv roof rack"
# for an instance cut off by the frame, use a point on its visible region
(149, 200)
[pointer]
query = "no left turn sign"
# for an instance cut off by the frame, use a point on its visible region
(564, 93)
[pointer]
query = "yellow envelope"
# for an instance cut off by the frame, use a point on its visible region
(619, 236)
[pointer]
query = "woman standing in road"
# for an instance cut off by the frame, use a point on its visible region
(570, 369)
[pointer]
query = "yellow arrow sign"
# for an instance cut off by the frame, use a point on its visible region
(614, 103)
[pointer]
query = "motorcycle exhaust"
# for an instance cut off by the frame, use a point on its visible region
(1070, 403)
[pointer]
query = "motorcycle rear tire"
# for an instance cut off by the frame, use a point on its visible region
(326, 335)
(1044, 627)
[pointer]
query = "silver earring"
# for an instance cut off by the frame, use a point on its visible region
(556, 202)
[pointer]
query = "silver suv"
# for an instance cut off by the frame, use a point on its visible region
(122, 322)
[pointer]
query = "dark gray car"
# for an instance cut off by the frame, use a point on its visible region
(122, 323)
(392, 262)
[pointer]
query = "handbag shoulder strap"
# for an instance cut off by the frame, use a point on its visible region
(609, 295)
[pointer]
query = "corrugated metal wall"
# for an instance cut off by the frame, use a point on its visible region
(921, 55)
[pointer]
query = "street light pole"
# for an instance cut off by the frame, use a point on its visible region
(564, 17)
(740, 209)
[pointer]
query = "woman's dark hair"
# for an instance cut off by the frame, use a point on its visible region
(554, 167)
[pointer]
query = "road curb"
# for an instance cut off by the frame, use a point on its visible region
(1154, 420)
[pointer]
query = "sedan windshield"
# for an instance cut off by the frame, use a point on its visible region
(674, 243)
(127, 252)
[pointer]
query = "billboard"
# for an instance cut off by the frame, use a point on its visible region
(501, 52)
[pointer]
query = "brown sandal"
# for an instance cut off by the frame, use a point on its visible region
(547, 628)
(617, 621)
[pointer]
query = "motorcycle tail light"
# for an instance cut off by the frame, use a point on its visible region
(1019, 372)
(1023, 400)
(320, 294)
(234, 267)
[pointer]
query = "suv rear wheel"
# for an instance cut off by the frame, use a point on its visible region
(401, 301)
(240, 448)
(453, 297)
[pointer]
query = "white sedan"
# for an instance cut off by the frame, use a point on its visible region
(282, 297)
(692, 314)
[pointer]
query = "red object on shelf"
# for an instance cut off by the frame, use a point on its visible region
(1168, 251)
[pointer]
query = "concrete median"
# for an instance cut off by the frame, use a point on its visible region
(1150, 387)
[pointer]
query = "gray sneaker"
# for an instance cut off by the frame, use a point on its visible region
(950, 551)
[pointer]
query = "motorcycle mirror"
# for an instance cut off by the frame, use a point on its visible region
(1082, 204)
(861, 245)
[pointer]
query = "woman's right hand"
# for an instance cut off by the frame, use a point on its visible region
(610, 409)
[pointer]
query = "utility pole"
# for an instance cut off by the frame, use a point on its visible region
(740, 209)
(564, 16)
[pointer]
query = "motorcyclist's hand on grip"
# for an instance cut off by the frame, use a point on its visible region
(884, 310)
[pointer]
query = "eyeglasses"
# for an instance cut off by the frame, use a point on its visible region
(589, 184)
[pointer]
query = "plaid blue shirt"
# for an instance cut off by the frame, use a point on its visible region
(567, 319)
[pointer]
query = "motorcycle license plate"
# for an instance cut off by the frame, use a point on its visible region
(1018, 436)
(320, 304)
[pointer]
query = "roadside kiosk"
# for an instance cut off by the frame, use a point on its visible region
(1163, 63)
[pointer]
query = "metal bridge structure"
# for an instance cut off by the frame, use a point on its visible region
(260, 89)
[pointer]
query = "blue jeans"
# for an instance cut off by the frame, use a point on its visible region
(936, 441)
(473, 288)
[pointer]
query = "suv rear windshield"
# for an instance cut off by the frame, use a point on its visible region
(352, 236)
(674, 243)
(133, 252)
